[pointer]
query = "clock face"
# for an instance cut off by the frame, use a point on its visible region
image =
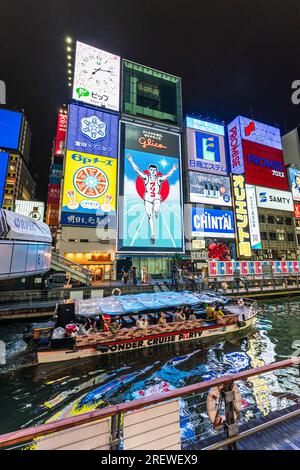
(96, 77)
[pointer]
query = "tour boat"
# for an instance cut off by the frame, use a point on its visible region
(238, 317)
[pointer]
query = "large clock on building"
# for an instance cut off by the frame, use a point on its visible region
(96, 77)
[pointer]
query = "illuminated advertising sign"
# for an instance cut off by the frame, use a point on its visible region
(53, 193)
(253, 217)
(205, 146)
(52, 215)
(56, 171)
(294, 177)
(150, 196)
(274, 199)
(60, 139)
(33, 209)
(198, 244)
(212, 223)
(297, 211)
(264, 166)
(3, 171)
(92, 131)
(243, 243)
(151, 93)
(10, 127)
(209, 189)
(96, 77)
(89, 192)
(235, 147)
(260, 133)
(227, 268)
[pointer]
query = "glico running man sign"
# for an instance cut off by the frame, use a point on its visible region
(150, 195)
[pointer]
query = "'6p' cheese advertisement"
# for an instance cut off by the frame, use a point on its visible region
(89, 191)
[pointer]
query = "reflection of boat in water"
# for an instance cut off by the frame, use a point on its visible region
(237, 318)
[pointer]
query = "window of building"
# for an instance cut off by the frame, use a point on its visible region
(272, 236)
(288, 221)
(263, 235)
(280, 237)
(298, 239)
(271, 219)
(279, 220)
(84, 240)
(261, 218)
(290, 237)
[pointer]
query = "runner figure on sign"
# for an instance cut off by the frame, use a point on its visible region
(152, 196)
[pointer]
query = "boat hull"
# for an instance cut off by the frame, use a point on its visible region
(117, 346)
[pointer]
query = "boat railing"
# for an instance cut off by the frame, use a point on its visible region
(177, 419)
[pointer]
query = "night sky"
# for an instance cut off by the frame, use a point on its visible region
(234, 56)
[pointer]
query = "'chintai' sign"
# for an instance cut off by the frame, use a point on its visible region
(212, 223)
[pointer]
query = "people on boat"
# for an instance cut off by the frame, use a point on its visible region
(83, 329)
(179, 315)
(71, 330)
(192, 315)
(210, 312)
(114, 327)
(218, 313)
(141, 323)
(162, 319)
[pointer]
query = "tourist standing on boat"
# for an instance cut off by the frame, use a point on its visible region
(114, 327)
(192, 315)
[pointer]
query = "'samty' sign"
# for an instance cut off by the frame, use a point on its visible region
(274, 199)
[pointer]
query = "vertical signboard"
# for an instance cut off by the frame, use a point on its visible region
(61, 131)
(294, 178)
(235, 147)
(3, 171)
(150, 196)
(242, 231)
(253, 217)
(96, 77)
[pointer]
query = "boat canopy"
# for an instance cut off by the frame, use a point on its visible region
(135, 303)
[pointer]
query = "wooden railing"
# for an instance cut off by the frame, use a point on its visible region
(114, 412)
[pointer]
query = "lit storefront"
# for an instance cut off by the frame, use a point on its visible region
(101, 264)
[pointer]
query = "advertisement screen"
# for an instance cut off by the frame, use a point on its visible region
(253, 217)
(151, 93)
(209, 189)
(264, 166)
(150, 197)
(56, 173)
(294, 178)
(243, 242)
(92, 131)
(61, 130)
(10, 127)
(96, 77)
(53, 193)
(212, 223)
(205, 147)
(89, 192)
(3, 171)
(274, 199)
(33, 209)
(297, 211)
(260, 133)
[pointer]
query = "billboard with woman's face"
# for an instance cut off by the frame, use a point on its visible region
(294, 178)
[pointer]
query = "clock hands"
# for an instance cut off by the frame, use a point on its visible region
(97, 70)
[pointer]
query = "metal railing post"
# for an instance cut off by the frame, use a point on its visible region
(115, 433)
(230, 425)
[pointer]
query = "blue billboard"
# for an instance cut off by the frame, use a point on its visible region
(92, 131)
(10, 128)
(211, 223)
(56, 173)
(150, 199)
(3, 170)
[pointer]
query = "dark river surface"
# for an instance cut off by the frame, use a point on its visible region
(31, 394)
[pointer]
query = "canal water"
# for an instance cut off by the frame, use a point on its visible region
(31, 395)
